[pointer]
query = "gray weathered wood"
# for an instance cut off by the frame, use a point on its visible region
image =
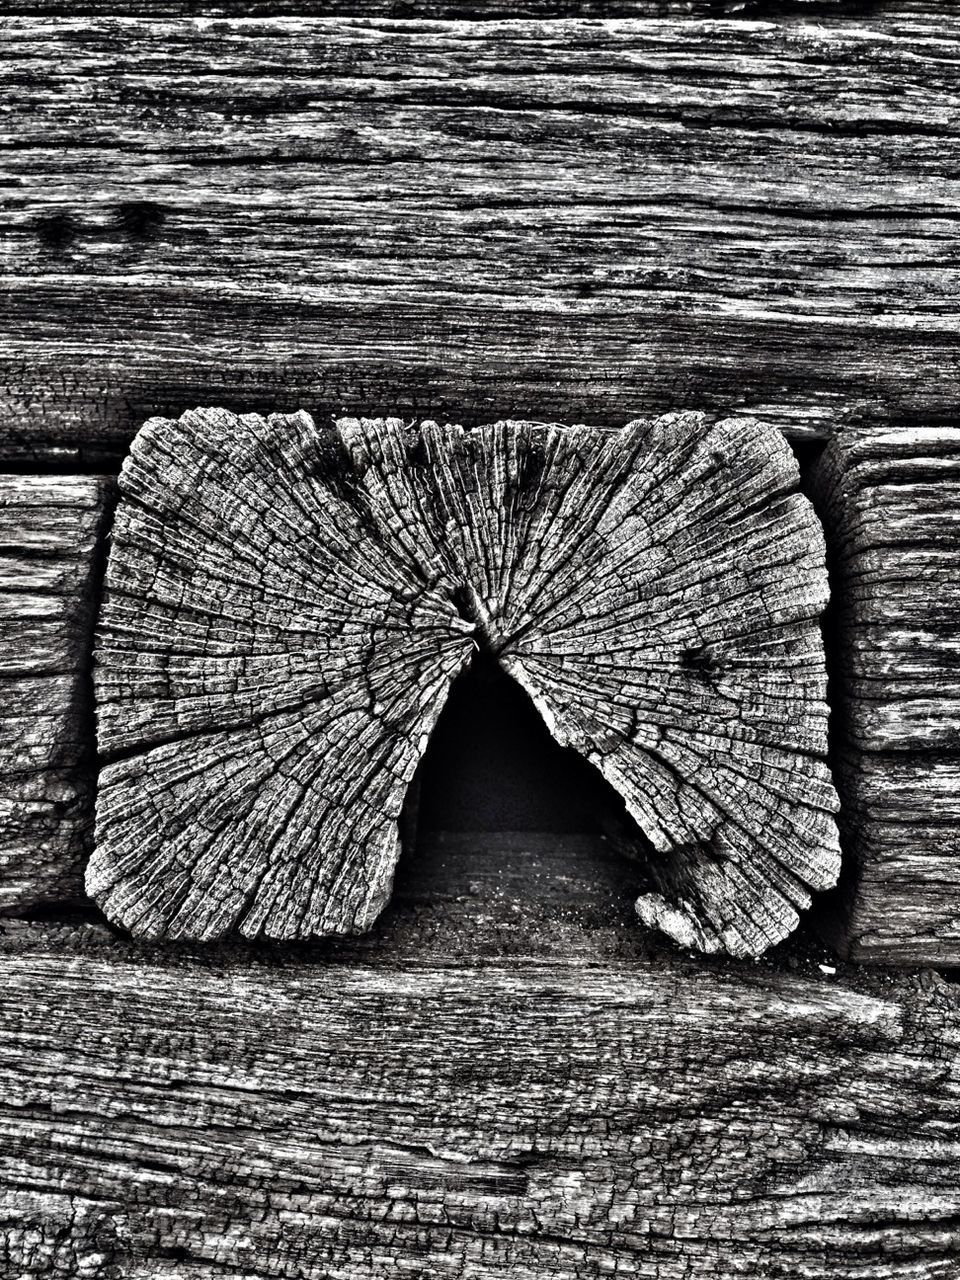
(445, 9)
(286, 606)
(901, 828)
(513, 1099)
(891, 500)
(550, 219)
(49, 532)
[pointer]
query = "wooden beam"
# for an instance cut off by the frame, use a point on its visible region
(498, 1100)
(557, 219)
(287, 605)
(445, 9)
(50, 527)
(890, 498)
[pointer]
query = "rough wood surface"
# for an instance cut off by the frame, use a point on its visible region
(513, 1099)
(891, 501)
(560, 219)
(50, 528)
(286, 606)
(901, 836)
(493, 9)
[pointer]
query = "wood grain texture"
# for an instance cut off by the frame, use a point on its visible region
(901, 829)
(287, 605)
(444, 9)
(559, 219)
(890, 498)
(514, 1098)
(50, 527)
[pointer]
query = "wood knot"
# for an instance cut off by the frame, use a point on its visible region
(57, 231)
(140, 220)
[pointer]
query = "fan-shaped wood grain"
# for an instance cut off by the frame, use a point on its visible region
(287, 605)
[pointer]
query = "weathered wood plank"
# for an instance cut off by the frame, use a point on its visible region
(495, 1106)
(287, 605)
(901, 828)
(493, 9)
(550, 219)
(889, 497)
(50, 527)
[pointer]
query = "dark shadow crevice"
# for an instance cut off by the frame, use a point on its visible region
(492, 765)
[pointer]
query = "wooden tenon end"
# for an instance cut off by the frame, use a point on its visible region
(286, 606)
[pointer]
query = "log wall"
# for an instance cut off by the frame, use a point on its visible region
(367, 206)
(499, 1082)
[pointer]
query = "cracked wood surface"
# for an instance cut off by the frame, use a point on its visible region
(286, 606)
(50, 529)
(553, 218)
(501, 1079)
(751, 10)
(890, 498)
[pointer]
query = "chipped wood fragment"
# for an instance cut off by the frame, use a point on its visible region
(287, 604)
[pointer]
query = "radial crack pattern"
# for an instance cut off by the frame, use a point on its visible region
(287, 604)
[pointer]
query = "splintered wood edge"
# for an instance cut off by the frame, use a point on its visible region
(287, 604)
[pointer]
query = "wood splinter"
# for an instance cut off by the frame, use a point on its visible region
(287, 604)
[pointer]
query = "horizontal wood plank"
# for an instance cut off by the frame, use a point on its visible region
(526, 1103)
(557, 219)
(443, 9)
(51, 530)
(890, 501)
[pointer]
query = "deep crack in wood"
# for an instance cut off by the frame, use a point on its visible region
(287, 605)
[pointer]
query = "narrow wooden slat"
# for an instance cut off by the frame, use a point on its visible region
(384, 1110)
(890, 497)
(50, 528)
(555, 219)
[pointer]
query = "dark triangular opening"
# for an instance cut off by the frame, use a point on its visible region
(492, 765)
(512, 842)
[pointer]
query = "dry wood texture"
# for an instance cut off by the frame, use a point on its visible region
(558, 219)
(416, 1103)
(545, 217)
(433, 9)
(49, 532)
(286, 606)
(891, 499)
